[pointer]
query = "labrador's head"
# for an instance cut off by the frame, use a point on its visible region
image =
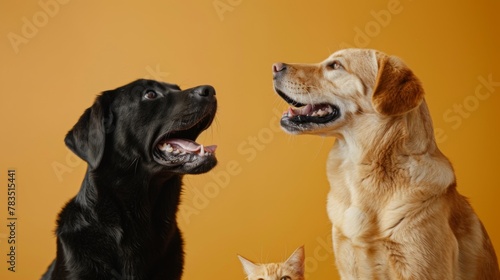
(330, 95)
(150, 123)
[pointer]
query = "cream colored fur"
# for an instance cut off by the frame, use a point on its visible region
(393, 203)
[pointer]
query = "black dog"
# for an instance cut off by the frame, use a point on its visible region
(138, 141)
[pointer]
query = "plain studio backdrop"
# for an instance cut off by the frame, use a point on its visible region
(267, 196)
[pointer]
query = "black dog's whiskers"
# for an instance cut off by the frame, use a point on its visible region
(135, 163)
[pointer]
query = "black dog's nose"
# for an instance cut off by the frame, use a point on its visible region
(204, 90)
(278, 67)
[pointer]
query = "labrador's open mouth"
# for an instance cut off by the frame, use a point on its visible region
(308, 113)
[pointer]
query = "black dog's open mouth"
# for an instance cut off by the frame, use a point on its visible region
(179, 147)
(308, 113)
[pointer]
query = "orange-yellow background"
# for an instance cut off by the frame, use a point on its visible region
(267, 195)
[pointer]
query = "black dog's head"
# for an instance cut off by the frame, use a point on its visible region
(147, 121)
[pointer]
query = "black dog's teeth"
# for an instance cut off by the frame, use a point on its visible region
(179, 151)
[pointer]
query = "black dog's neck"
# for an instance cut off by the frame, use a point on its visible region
(154, 197)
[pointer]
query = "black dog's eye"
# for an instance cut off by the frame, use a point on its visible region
(151, 94)
(335, 65)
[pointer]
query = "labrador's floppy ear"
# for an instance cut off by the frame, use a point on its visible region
(397, 90)
(87, 138)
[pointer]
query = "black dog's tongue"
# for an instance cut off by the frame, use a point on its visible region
(184, 145)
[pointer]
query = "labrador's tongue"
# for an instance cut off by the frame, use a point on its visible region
(190, 146)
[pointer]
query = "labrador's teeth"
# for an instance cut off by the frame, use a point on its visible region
(183, 152)
(176, 152)
(322, 112)
(202, 150)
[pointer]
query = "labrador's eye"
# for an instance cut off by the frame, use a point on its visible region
(335, 65)
(285, 278)
(151, 94)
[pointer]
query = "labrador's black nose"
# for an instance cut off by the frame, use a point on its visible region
(204, 90)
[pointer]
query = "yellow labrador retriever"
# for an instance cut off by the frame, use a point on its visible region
(393, 202)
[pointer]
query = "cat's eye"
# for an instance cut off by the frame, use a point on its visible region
(285, 278)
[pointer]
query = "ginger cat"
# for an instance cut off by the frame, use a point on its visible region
(291, 269)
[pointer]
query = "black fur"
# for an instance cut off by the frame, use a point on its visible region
(122, 223)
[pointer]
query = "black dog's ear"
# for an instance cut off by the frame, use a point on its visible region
(87, 138)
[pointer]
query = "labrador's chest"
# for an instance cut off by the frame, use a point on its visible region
(356, 214)
(362, 198)
(352, 207)
(364, 207)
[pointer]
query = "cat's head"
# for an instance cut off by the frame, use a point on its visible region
(291, 269)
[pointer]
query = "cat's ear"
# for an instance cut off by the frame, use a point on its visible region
(296, 260)
(248, 266)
